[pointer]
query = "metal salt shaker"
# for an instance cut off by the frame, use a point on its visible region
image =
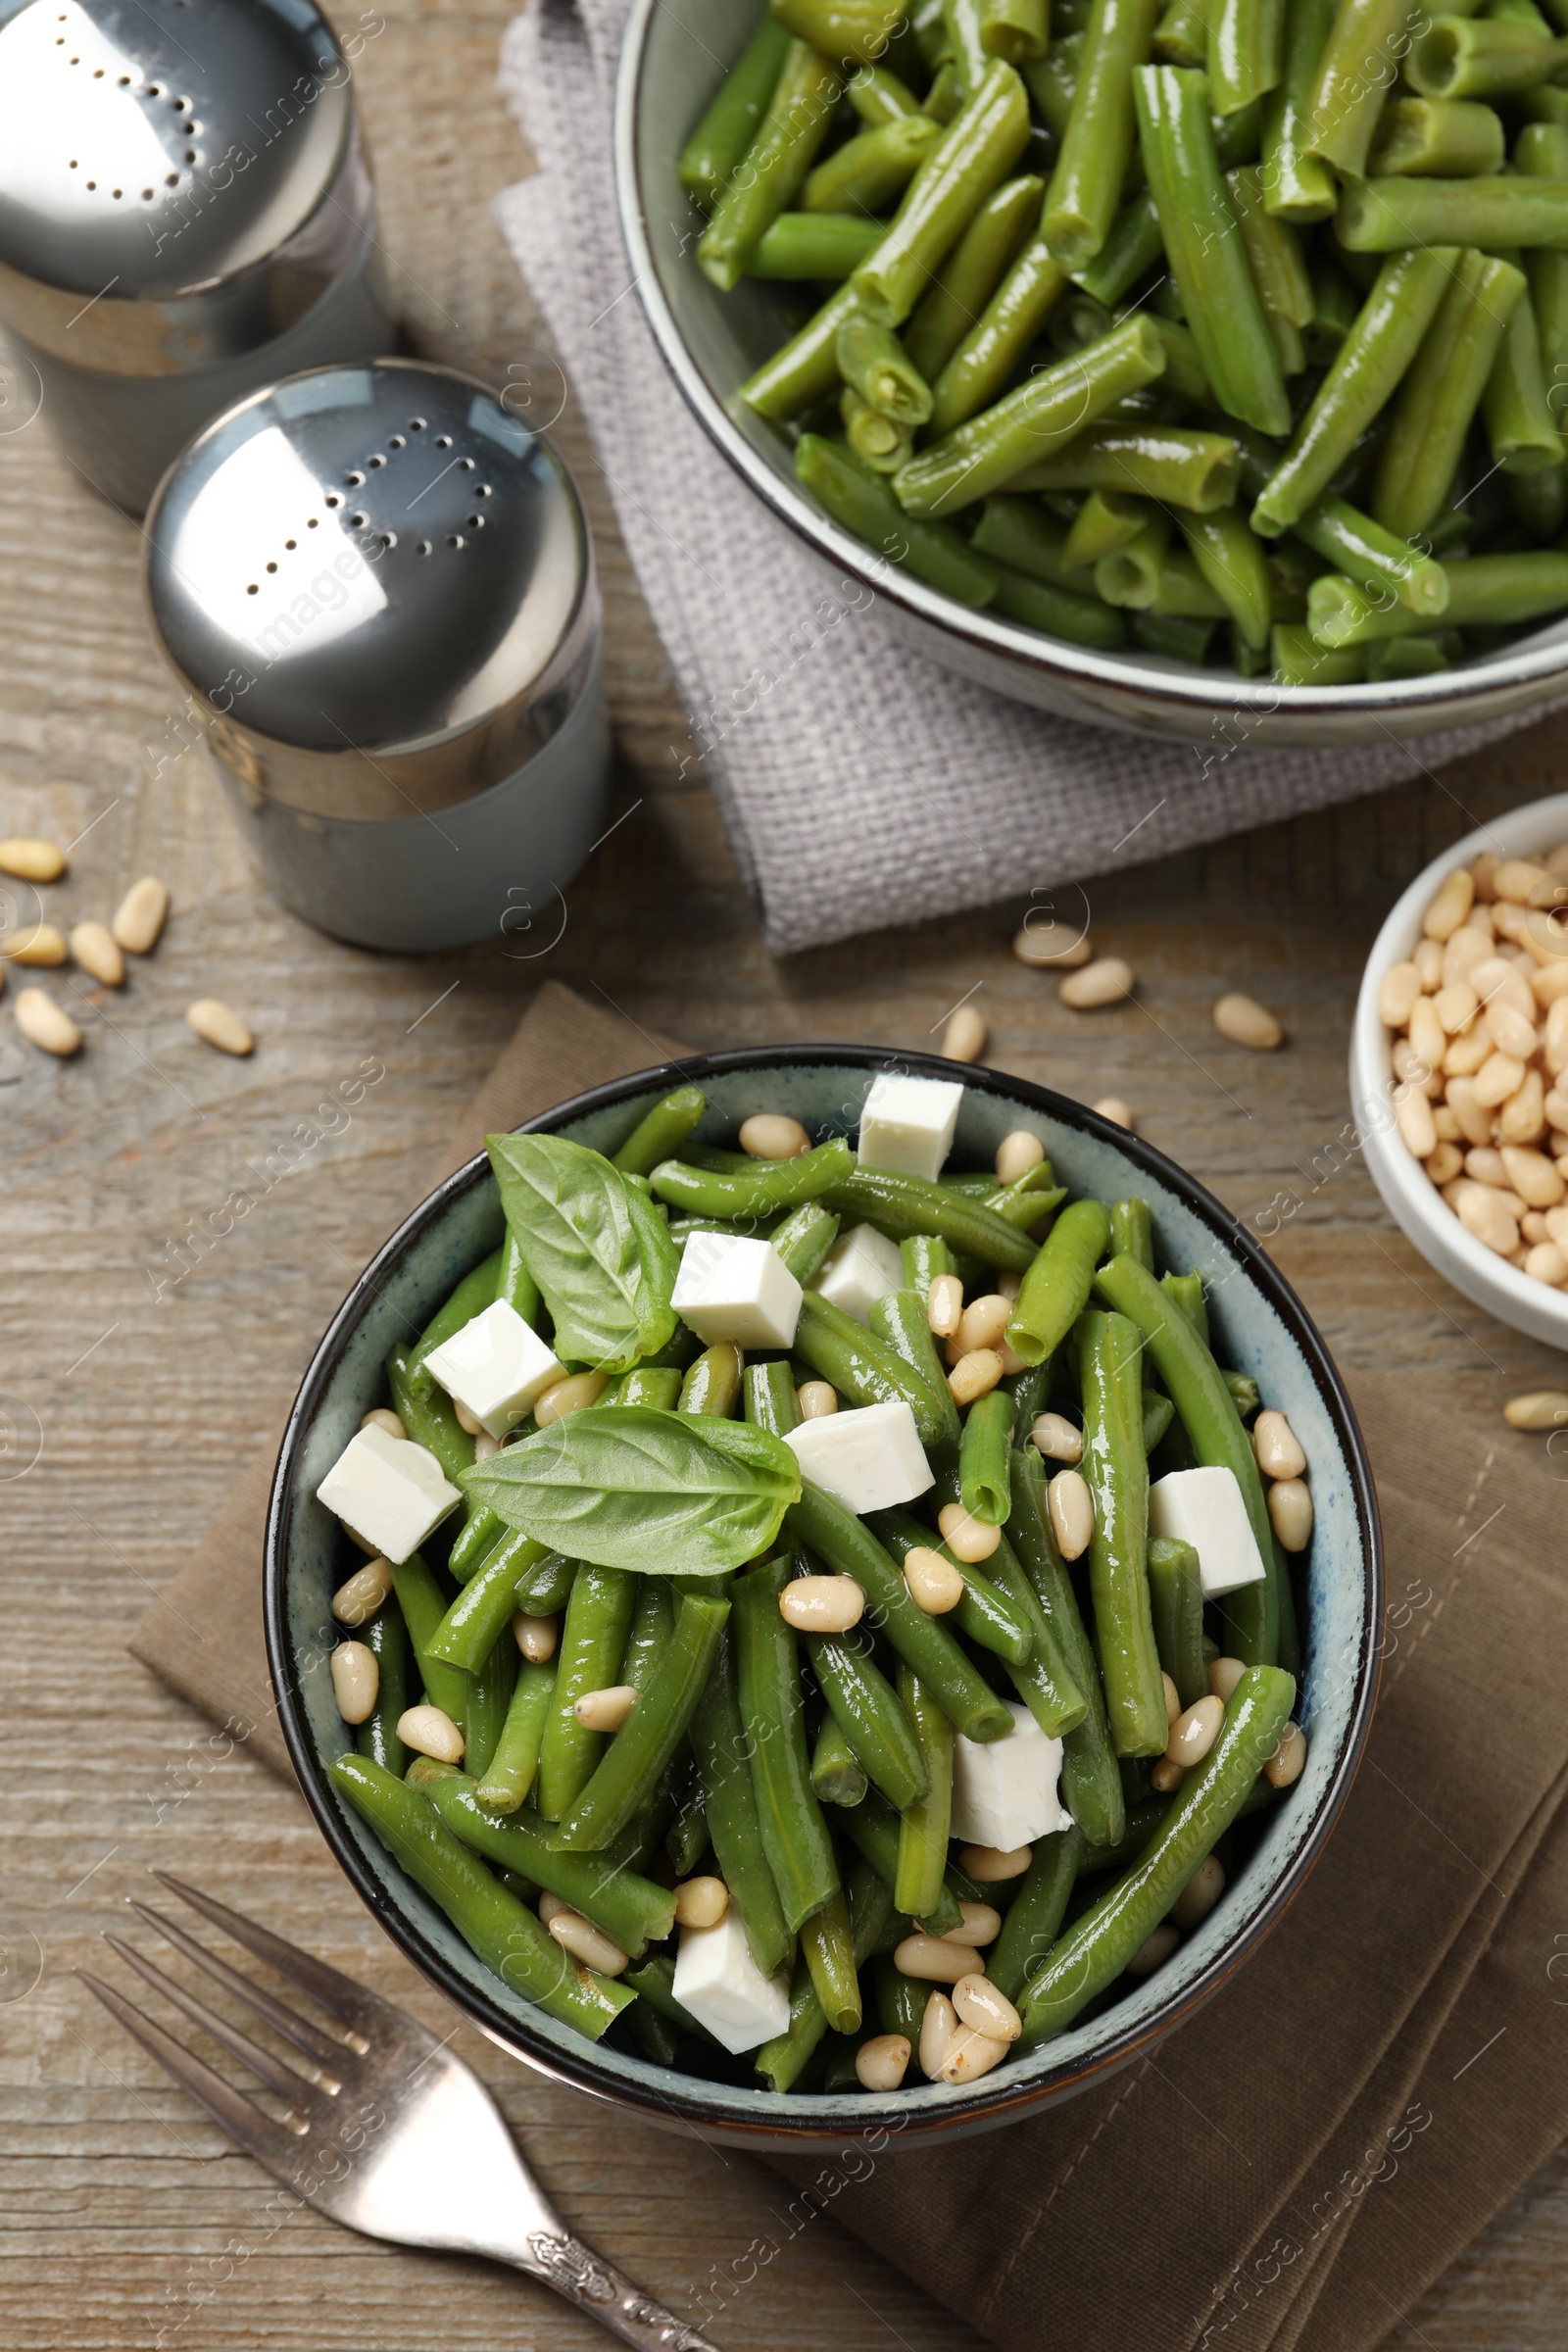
(185, 215)
(379, 589)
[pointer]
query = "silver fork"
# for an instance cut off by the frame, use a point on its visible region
(386, 2130)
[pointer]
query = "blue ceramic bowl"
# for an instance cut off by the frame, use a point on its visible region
(1260, 1327)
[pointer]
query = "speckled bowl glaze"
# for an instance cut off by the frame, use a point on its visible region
(1261, 1328)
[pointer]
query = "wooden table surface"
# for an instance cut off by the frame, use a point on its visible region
(128, 2219)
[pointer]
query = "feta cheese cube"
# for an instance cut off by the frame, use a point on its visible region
(860, 1268)
(732, 1288)
(390, 1490)
(497, 1366)
(720, 1984)
(907, 1124)
(1206, 1508)
(1005, 1790)
(868, 1459)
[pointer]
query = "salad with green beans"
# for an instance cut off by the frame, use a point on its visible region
(818, 1611)
(1232, 330)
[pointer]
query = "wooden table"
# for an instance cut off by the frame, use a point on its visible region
(130, 2221)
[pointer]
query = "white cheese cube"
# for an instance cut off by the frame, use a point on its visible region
(732, 1289)
(868, 1459)
(907, 1124)
(860, 1268)
(1005, 1790)
(390, 1490)
(720, 1984)
(1206, 1508)
(497, 1366)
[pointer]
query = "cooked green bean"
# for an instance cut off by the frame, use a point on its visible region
(1484, 592)
(838, 1776)
(661, 1131)
(1091, 1780)
(474, 1293)
(1134, 574)
(489, 1699)
(983, 1462)
(1015, 29)
(1043, 1679)
(1360, 59)
(1173, 463)
(514, 1765)
(767, 1186)
(873, 362)
(989, 1617)
(805, 1238)
(386, 1637)
(899, 2000)
(864, 1368)
(652, 1619)
(924, 1826)
(1186, 1291)
(1296, 659)
(1278, 267)
(1166, 633)
(865, 1708)
(878, 96)
(976, 153)
(870, 1905)
(547, 1587)
(771, 173)
(712, 1386)
(1105, 521)
(1056, 1284)
(1520, 425)
(1035, 1914)
(899, 1320)
(722, 1748)
(812, 245)
(722, 137)
(483, 1610)
(424, 1607)
(992, 350)
(592, 1640)
(1444, 390)
(1374, 558)
(629, 1770)
(794, 1834)
(864, 504)
(1176, 1598)
(873, 437)
(827, 1948)
(1422, 656)
(1384, 216)
(1232, 562)
(1246, 52)
(1181, 37)
(1132, 1230)
(1437, 138)
(865, 174)
(965, 24)
(1488, 58)
(873, 1828)
(769, 1393)
(951, 305)
(1057, 611)
(1116, 1466)
(428, 1415)
(1297, 185)
(903, 1206)
(850, 31)
(1019, 532)
(1086, 186)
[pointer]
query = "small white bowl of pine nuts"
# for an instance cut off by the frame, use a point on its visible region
(1459, 1067)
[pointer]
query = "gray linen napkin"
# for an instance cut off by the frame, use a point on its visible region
(860, 785)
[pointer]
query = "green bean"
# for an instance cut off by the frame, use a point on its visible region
(1028, 424)
(658, 1384)
(656, 2039)
(899, 1319)
(1484, 592)
(546, 1588)
(489, 1699)
(429, 1417)
(1232, 562)
(1099, 1945)
(827, 1948)
(924, 1826)
(838, 1777)
(593, 1638)
(989, 1617)
(421, 1600)
(873, 362)
(1043, 1679)
(1177, 141)
(474, 1293)
(878, 96)
(1132, 1230)
(1035, 1914)
(766, 1186)
(1052, 80)
(943, 98)
(505, 1934)
(1015, 29)
(1488, 58)
(983, 1473)
(1296, 659)
(864, 503)
(1540, 150)
(386, 1637)
(1297, 185)
(482, 1610)
(1116, 1469)
(770, 1398)
(818, 245)
(1186, 1291)
(900, 1206)
(654, 1980)
(1166, 633)
(794, 1837)
(1086, 186)
(1544, 104)
(515, 1284)
(862, 1367)
(1133, 574)
(774, 169)
(1274, 256)
(1238, 137)
(1019, 532)
(725, 131)
(1246, 52)
(1384, 216)
(874, 1829)
(805, 1238)
(865, 1708)
(921, 1641)
(1374, 558)
(476, 1540)
(505, 1781)
(924, 1256)
(1181, 37)
(1105, 521)
(1437, 138)
(1181, 467)
(874, 438)
(652, 1619)
(1158, 1414)
(1090, 1782)
(951, 303)
(976, 153)
(804, 371)
(870, 1905)
(630, 1768)
(867, 172)
(901, 2001)
(1358, 62)
(632, 1911)
(1057, 612)
(1176, 1598)
(964, 22)
(1056, 1284)
(686, 1841)
(1520, 425)
(721, 1746)
(1386, 335)
(1424, 657)
(1442, 391)
(850, 31)
(992, 350)
(1541, 503)
(712, 1386)
(1144, 1819)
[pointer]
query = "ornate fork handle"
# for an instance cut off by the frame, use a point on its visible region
(583, 2277)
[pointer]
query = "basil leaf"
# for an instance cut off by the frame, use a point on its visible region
(626, 1485)
(587, 1238)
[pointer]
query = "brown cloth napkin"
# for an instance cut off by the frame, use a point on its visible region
(1291, 2171)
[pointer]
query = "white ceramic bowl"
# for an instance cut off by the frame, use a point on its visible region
(1410, 1199)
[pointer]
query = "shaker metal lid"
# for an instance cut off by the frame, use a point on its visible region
(368, 558)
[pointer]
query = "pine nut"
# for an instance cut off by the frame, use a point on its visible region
(1055, 1435)
(1112, 1108)
(1548, 983)
(381, 1416)
(984, 2006)
(467, 1421)
(1496, 981)
(1173, 1701)
(1398, 991)
(1546, 1264)
(935, 1584)
(1532, 1227)
(1199, 1896)
(882, 2063)
(1538, 1408)
(535, 1637)
(1154, 1951)
(485, 1446)
(98, 953)
(217, 1025)
(1444, 1163)
(975, 1375)
(139, 918)
(1446, 1123)
(1455, 1004)
(568, 1396)
(774, 1135)
(1290, 1511)
(1451, 904)
(1463, 950)
(430, 1733)
(1499, 1077)
(934, 1959)
(1104, 982)
(1555, 1039)
(1428, 1037)
(1286, 1764)
(982, 1925)
(989, 1865)
(1516, 879)
(969, 1540)
(1427, 956)
(46, 1025)
(1059, 944)
(1412, 1113)
(1275, 1444)
(1223, 1675)
(814, 1400)
(943, 1309)
(1475, 1120)
(1411, 1071)
(588, 1943)
(1165, 1777)
(984, 1321)
(939, 2031)
(822, 1604)
(1483, 1213)
(1509, 1030)
(357, 1600)
(356, 1680)
(1556, 1106)
(1533, 1176)
(1245, 1022)
(972, 2055)
(31, 860)
(1522, 1118)
(1018, 1154)
(964, 1036)
(701, 1902)
(43, 944)
(1072, 1513)
(1193, 1734)
(604, 1711)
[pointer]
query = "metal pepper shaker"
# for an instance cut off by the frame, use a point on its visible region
(185, 213)
(379, 589)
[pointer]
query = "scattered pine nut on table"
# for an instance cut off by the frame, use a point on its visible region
(139, 918)
(1106, 981)
(1060, 945)
(964, 1037)
(216, 1024)
(1248, 1023)
(46, 1025)
(31, 860)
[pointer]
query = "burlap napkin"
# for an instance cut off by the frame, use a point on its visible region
(1295, 2165)
(859, 783)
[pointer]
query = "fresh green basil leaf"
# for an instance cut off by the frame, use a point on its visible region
(626, 1485)
(589, 1240)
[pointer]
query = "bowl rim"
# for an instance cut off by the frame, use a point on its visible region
(1173, 689)
(733, 2121)
(1428, 1222)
